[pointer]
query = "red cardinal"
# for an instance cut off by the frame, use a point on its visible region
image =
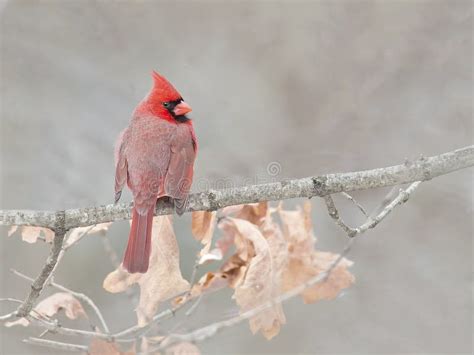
(155, 156)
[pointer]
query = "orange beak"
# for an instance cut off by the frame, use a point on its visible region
(182, 108)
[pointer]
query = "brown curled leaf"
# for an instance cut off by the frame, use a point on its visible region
(261, 281)
(102, 347)
(77, 233)
(162, 281)
(60, 301)
(305, 262)
(31, 234)
(184, 348)
(203, 226)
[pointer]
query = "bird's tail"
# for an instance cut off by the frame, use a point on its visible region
(137, 255)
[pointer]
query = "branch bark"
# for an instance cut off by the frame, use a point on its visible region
(43, 277)
(420, 170)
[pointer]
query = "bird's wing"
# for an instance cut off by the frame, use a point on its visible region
(179, 176)
(121, 173)
(148, 152)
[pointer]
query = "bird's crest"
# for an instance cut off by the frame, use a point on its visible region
(162, 88)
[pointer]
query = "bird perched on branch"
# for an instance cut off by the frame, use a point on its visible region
(155, 156)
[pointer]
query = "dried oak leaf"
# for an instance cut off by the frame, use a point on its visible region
(212, 255)
(54, 304)
(230, 210)
(235, 269)
(259, 214)
(209, 282)
(102, 347)
(338, 279)
(230, 274)
(297, 225)
(61, 301)
(261, 282)
(223, 244)
(31, 234)
(252, 212)
(203, 225)
(184, 348)
(77, 233)
(255, 213)
(12, 230)
(244, 247)
(305, 262)
(162, 281)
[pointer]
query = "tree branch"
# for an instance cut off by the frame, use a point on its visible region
(56, 344)
(56, 328)
(322, 185)
(8, 317)
(47, 270)
(358, 205)
(371, 222)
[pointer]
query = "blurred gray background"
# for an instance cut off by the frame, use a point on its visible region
(317, 86)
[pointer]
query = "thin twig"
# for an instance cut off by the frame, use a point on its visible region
(187, 297)
(371, 222)
(8, 317)
(188, 294)
(68, 244)
(121, 336)
(402, 197)
(194, 305)
(50, 276)
(38, 285)
(43, 333)
(334, 214)
(55, 327)
(56, 344)
(359, 206)
(9, 299)
(386, 200)
(78, 295)
(137, 331)
(194, 274)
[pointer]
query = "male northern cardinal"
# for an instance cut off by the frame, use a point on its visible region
(155, 156)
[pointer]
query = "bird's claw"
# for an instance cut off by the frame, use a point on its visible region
(117, 196)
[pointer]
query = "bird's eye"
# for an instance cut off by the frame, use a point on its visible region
(166, 104)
